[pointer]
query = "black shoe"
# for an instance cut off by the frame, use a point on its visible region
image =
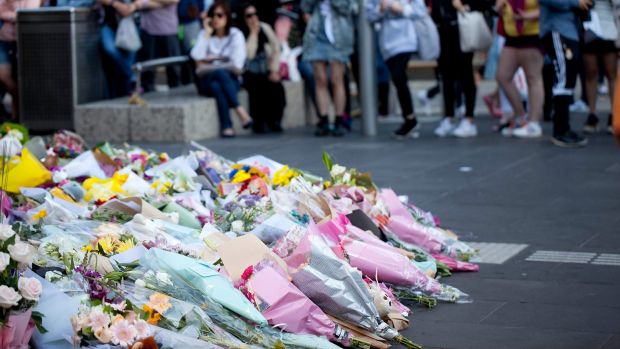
(275, 128)
(405, 128)
(569, 140)
(347, 123)
(591, 125)
(322, 127)
(338, 129)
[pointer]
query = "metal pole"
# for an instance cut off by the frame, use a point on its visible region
(368, 71)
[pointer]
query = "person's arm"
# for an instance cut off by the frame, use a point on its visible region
(274, 60)
(199, 51)
(123, 9)
(238, 52)
(7, 13)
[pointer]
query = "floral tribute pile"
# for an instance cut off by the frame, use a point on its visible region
(120, 247)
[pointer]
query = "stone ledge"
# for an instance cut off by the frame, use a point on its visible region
(179, 115)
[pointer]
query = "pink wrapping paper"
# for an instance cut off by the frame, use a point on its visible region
(386, 265)
(403, 225)
(454, 264)
(17, 331)
(288, 308)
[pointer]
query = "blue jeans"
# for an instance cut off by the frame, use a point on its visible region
(122, 61)
(222, 85)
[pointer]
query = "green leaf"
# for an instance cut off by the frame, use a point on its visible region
(328, 161)
(37, 317)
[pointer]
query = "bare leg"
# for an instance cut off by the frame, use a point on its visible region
(610, 62)
(532, 62)
(507, 67)
(9, 84)
(322, 92)
(337, 80)
(243, 115)
(591, 66)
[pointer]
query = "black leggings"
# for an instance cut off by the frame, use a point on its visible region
(398, 70)
(456, 65)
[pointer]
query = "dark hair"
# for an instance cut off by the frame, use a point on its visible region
(222, 4)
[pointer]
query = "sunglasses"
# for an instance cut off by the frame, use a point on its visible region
(219, 15)
(250, 15)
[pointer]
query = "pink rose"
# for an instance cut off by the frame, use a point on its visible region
(30, 288)
(8, 297)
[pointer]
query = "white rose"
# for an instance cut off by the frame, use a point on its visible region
(6, 232)
(5, 259)
(10, 146)
(337, 170)
(22, 252)
(237, 226)
(30, 288)
(8, 297)
(140, 283)
(346, 178)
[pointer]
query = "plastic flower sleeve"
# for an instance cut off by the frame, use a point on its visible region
(171, 340)
(202, 276)
(338, 289)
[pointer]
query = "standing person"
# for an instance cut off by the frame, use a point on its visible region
(398, 42)
(328, 42)
(159, 24)
(522, 48)
(122, 77)
(189, 26)
(455, 65)
(262, 73)
(8, 47)
(603, 49)
(560, 37)
(219, 54)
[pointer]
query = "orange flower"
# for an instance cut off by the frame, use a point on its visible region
(153, 315)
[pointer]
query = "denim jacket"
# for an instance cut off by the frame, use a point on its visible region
(342, 22)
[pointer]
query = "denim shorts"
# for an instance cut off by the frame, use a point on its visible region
(5, 52)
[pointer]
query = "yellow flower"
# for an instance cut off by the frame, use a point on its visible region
(40, 215)
(159, 302)
(87, 248)
(241, 177)
(106, 244)
(124, 246)
(283, 176)
(153, 315)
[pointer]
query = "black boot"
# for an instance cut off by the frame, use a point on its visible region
(338, 130)
(322, 127)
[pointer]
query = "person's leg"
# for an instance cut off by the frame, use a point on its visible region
(506, 69)
(256, 95)
(564, 55)
(398, 71)
(213, 88)
(610, 64)
(321, 88)
(383, 91)
(171, 48)
(147, 52)
(275, 109)
(230, 85)
(468, 84)
(531, 59)
(305, 70)
(548, 74)
(339, 94)
(590, 62)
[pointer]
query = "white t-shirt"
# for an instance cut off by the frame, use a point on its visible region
(231, 47)
(326, 11)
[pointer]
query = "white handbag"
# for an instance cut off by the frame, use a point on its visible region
(127, 36)
(474, 32)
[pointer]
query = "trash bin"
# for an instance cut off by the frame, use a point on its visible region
(59, 65)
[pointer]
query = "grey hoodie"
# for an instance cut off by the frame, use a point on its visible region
(559, 16)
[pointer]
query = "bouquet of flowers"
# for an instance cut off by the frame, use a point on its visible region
(18, 294)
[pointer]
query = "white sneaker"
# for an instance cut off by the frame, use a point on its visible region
(445, 128)
(507, 131)
(425, 103)
(579, 107)
(465, 129)
(529, 130)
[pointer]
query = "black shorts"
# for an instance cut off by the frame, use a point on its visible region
(600, 47)
(527, 41)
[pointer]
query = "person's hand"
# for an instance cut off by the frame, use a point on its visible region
(254, 27)
(396, 7)
(527, 15)
(458, 6)
(585, 4)
(206, 23)
(125, 9)
(274, 76)
(500, 6)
